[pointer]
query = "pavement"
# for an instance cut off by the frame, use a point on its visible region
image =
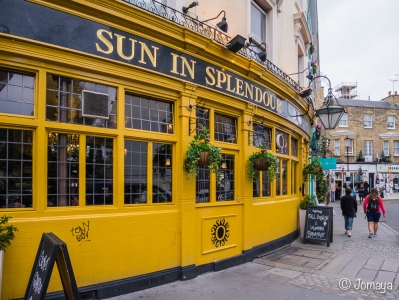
(354, 267)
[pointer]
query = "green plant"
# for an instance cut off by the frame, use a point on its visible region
(321, 187)
(307, 200)
(314, 66)
(252, 173)
(313, 168)
(6, 233)
(382, 154)
(201, 143)
(311, 49)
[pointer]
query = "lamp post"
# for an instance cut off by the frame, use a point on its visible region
(331, 112)
(347, 145)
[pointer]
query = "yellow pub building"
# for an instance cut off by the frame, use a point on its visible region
(99, 101)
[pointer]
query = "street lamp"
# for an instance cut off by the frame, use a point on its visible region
(347, 145)
(331, 112)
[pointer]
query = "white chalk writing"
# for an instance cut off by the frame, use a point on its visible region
(43, 261)
(37, 283)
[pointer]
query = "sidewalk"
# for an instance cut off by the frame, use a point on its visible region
(303, 271)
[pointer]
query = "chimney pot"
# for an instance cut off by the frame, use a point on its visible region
(389, 93)
(396, 93)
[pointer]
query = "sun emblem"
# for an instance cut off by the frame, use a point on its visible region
(220, 233)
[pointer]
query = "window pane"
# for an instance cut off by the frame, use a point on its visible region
(202, 119)
(16, 91)
(265, 184)
(262, 136)
(225, 184)
(258, 21)
(281, 142)
(202, 185)
(162, 173)
(225, 129)
(99, 171)
(64, 101)
(135, 172)
(284, 176)
(63, 169)
(278, 188)
(15, 168)
(147, 114)
(294, 147)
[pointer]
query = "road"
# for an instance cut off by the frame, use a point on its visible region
(392, 220)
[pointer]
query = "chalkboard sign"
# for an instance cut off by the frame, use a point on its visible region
(51, 249)
(318, 224)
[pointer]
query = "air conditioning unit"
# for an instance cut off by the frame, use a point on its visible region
(368, 158)
(95, 105)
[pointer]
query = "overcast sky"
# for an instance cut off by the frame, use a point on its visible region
(359, 42)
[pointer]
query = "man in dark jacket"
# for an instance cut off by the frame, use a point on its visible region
(349, 210)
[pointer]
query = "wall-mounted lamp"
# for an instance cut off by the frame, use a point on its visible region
(236, 43)
(222, 25)
(185, 9)
(224, 165)
(170, 127)
(253, 43)
(125, 151)
(199, 113)
(167, 162)
(309, 76)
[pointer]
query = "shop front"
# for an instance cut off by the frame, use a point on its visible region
(96, 115)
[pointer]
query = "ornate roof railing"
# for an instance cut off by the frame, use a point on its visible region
(213, 32)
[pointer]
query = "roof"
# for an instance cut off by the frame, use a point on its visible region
(365, 103)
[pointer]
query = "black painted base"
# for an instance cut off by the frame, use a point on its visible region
(134, 284)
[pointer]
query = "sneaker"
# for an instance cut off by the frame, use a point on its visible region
(375, 235)
(349, 234)
(370, 235)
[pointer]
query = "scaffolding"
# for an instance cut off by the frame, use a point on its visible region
(347, 90)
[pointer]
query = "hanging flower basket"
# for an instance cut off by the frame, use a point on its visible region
(262, 160)
(201, 153)
(261, 164)
(317, 170)
(203, 159)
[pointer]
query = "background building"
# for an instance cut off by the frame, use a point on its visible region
(372, 130)
(99, 101)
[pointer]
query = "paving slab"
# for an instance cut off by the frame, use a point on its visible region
(285, 272)
(374, 263)
(389, 265)
(354, 266)
(367, 274)
(384, 276)
(338, 263)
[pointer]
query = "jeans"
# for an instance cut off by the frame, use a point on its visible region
(332, 196)
(348, 223)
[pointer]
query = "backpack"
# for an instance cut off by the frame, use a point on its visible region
(373, 205)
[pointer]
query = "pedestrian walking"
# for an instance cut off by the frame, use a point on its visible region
(373, 206)
(349, 210)
(360, 192)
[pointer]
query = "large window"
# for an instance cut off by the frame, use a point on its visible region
(349, 147)
(16, 93)
(368, 121)
(147, 114)
(225, 129)
(258, 23)
(386, 148)
(99, 171)
(337, 147)
(368, 148)
(137, 190)
(16, 168)
(63, 169)
(344, 121)
(391, 122)
(75, 101)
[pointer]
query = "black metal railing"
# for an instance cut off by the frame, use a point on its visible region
(207, 30)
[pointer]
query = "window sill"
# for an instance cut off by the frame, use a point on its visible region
(368, 127)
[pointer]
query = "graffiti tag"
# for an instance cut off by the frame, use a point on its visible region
(81, 232)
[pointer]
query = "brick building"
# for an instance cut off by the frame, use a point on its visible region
(373, 130)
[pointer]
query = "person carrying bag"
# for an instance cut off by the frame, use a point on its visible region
(373, 206)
